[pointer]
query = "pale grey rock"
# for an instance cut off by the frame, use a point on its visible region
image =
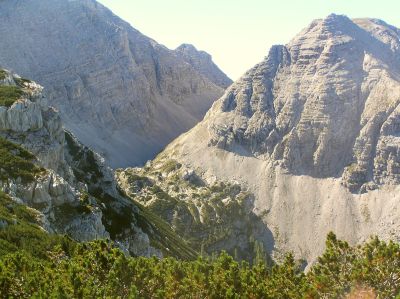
(202, 62)
(188, 175)
(88, 227)
(51, 192)
(21, 117)
(138, 244)
(313, 132)
(118, 91)
(40, 191)
(61, 191)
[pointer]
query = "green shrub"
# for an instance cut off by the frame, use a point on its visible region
(22, 231)
(9, 94)
(170, 165)
(16, 162)
(61, 268)
(3, 74)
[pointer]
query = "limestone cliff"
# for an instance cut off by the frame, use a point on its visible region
(69, 186)
(312, 131)
(118, 91)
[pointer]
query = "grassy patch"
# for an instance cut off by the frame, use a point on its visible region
(3, 74)
(16, 162)
(9, 94)
(170, 166)
(164, 238)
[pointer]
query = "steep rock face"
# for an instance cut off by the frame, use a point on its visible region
(311, 130)
(69, 185)
(30, 123)
(117, 90)
(316, 105)
(202, 62)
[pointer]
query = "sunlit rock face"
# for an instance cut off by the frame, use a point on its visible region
(322, 105)
(118, 91)
(313, 131)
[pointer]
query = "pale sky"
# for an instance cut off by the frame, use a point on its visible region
(239, 33)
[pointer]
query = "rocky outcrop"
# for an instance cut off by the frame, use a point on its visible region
(30, 123)
(312, 132)
(202, 62)
(118, 91)
(212, 215)
(26, 113)
(69, 185)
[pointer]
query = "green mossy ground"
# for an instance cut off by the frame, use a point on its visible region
(16, 162)
(9, 94)
(3, 74)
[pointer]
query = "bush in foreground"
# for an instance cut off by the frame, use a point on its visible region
(36, 264)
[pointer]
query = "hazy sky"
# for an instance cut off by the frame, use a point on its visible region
(238, 33)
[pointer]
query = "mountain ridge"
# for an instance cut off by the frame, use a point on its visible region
(202, 61)
(118, 91)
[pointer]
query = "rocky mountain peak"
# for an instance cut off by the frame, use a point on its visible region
(192, 51)
(336, 21)
(202, 62)
(306, 104)
(312, 129)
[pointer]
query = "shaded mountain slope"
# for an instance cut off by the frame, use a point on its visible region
(118, 91)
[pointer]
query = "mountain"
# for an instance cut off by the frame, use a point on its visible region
(118, 91)
(313, 133)
(66, 186)
(202, 62)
